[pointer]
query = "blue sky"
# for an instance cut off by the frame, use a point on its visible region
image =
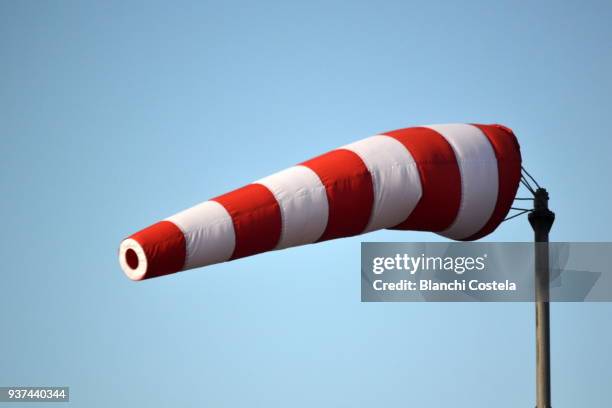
(116, 114)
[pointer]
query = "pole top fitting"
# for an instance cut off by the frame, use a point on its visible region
(540, 201)
(541, 218)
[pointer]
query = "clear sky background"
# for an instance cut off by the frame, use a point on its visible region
(114, 115)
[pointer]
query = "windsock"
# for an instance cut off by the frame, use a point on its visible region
(458, 180)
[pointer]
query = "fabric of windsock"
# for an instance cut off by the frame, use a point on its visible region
(457, 180)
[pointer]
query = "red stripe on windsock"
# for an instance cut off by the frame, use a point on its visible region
(508, 154)
(164, 246)
(349, 189)
(256, 217)
(440, 179)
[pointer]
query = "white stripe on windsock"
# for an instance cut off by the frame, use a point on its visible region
(209, 233)
(395, 178)
(303, 203)
(479, 178)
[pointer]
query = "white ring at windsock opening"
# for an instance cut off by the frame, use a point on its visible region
(479, 178)
(395, 178)
(139, 271)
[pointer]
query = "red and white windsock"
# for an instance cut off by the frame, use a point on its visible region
(458, 180)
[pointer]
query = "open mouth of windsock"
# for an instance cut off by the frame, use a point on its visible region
(132, 259)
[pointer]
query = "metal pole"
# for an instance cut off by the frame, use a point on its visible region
(541, 220)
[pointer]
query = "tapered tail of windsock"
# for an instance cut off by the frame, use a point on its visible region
(457, 180)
